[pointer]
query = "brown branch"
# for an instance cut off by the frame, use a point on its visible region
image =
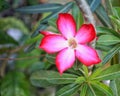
(85, 9)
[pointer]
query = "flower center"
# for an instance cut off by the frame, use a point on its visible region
(72, 43)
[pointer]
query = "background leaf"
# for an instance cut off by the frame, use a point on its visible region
(51, 78)
(41, 8)
(109, 73)
(68, 90)
(114, 84)
(111, 53)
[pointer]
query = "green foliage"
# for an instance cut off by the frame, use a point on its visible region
(68, 90)
(15, 84)
(111, 53)
(43, 23)
(114, 85)
(41, 8)
(4, 5)
(51, 78)
(10, 22)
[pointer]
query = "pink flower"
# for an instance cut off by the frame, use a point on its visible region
(70, 44)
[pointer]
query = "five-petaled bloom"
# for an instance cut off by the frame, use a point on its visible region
(70, 44)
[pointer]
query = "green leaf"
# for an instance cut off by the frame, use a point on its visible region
(77, 15)
(105, 30)
(85, 69)
(108, 40)
(94, 4)
(115, 86)
(11, 22)
(68, 90)
(6, 39)
(80, 80)
(91, 91)
(30, 48)
(96, 73)
(14, 84)
(41, 8)
(51, 78)
(109, 73)
(102, 15)
(44, 22)
(83, 90)
(103, 47)
(103, 88)
(115, 21)
(116, 11)
(111, 53)
(41, 27)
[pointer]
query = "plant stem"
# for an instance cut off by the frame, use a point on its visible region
(85, 9)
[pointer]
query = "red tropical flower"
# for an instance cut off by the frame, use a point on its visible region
(70, 44)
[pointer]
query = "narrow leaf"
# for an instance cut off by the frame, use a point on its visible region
(51, 78)
(44, 22)
(102, 15)
(105, 30)
(114, 84)
(41, 8)
(111, 53)
(94, 4)
(108, 40)
(103, 88)
(109, 73)
(83, 90)
(68, 90)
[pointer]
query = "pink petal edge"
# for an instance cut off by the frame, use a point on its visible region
(53, 43)
(45, 33)
(65, 59)
(66, 25)
(86, 33)
(87, 55)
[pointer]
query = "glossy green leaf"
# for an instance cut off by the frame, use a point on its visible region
(44, 22)
(91, 91)
(80, 80)
(103, 88)
(51, 78)
(41, 8)
(41, 27)
(115, 86)
(77, 16)
(102, 15)
(94, 4)
(108, 40)
(116, 11)
(68, 90)
(115, 21)
(63, 9)
(83, 90)
(96, 73)
(109, 73)
(111, 53)
(103, 47)
(105, 30)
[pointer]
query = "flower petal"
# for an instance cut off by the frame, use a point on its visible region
(65, 59)
(45, 33)
(86, 33)
(88, 56)
(53, 43)
(66, 25)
